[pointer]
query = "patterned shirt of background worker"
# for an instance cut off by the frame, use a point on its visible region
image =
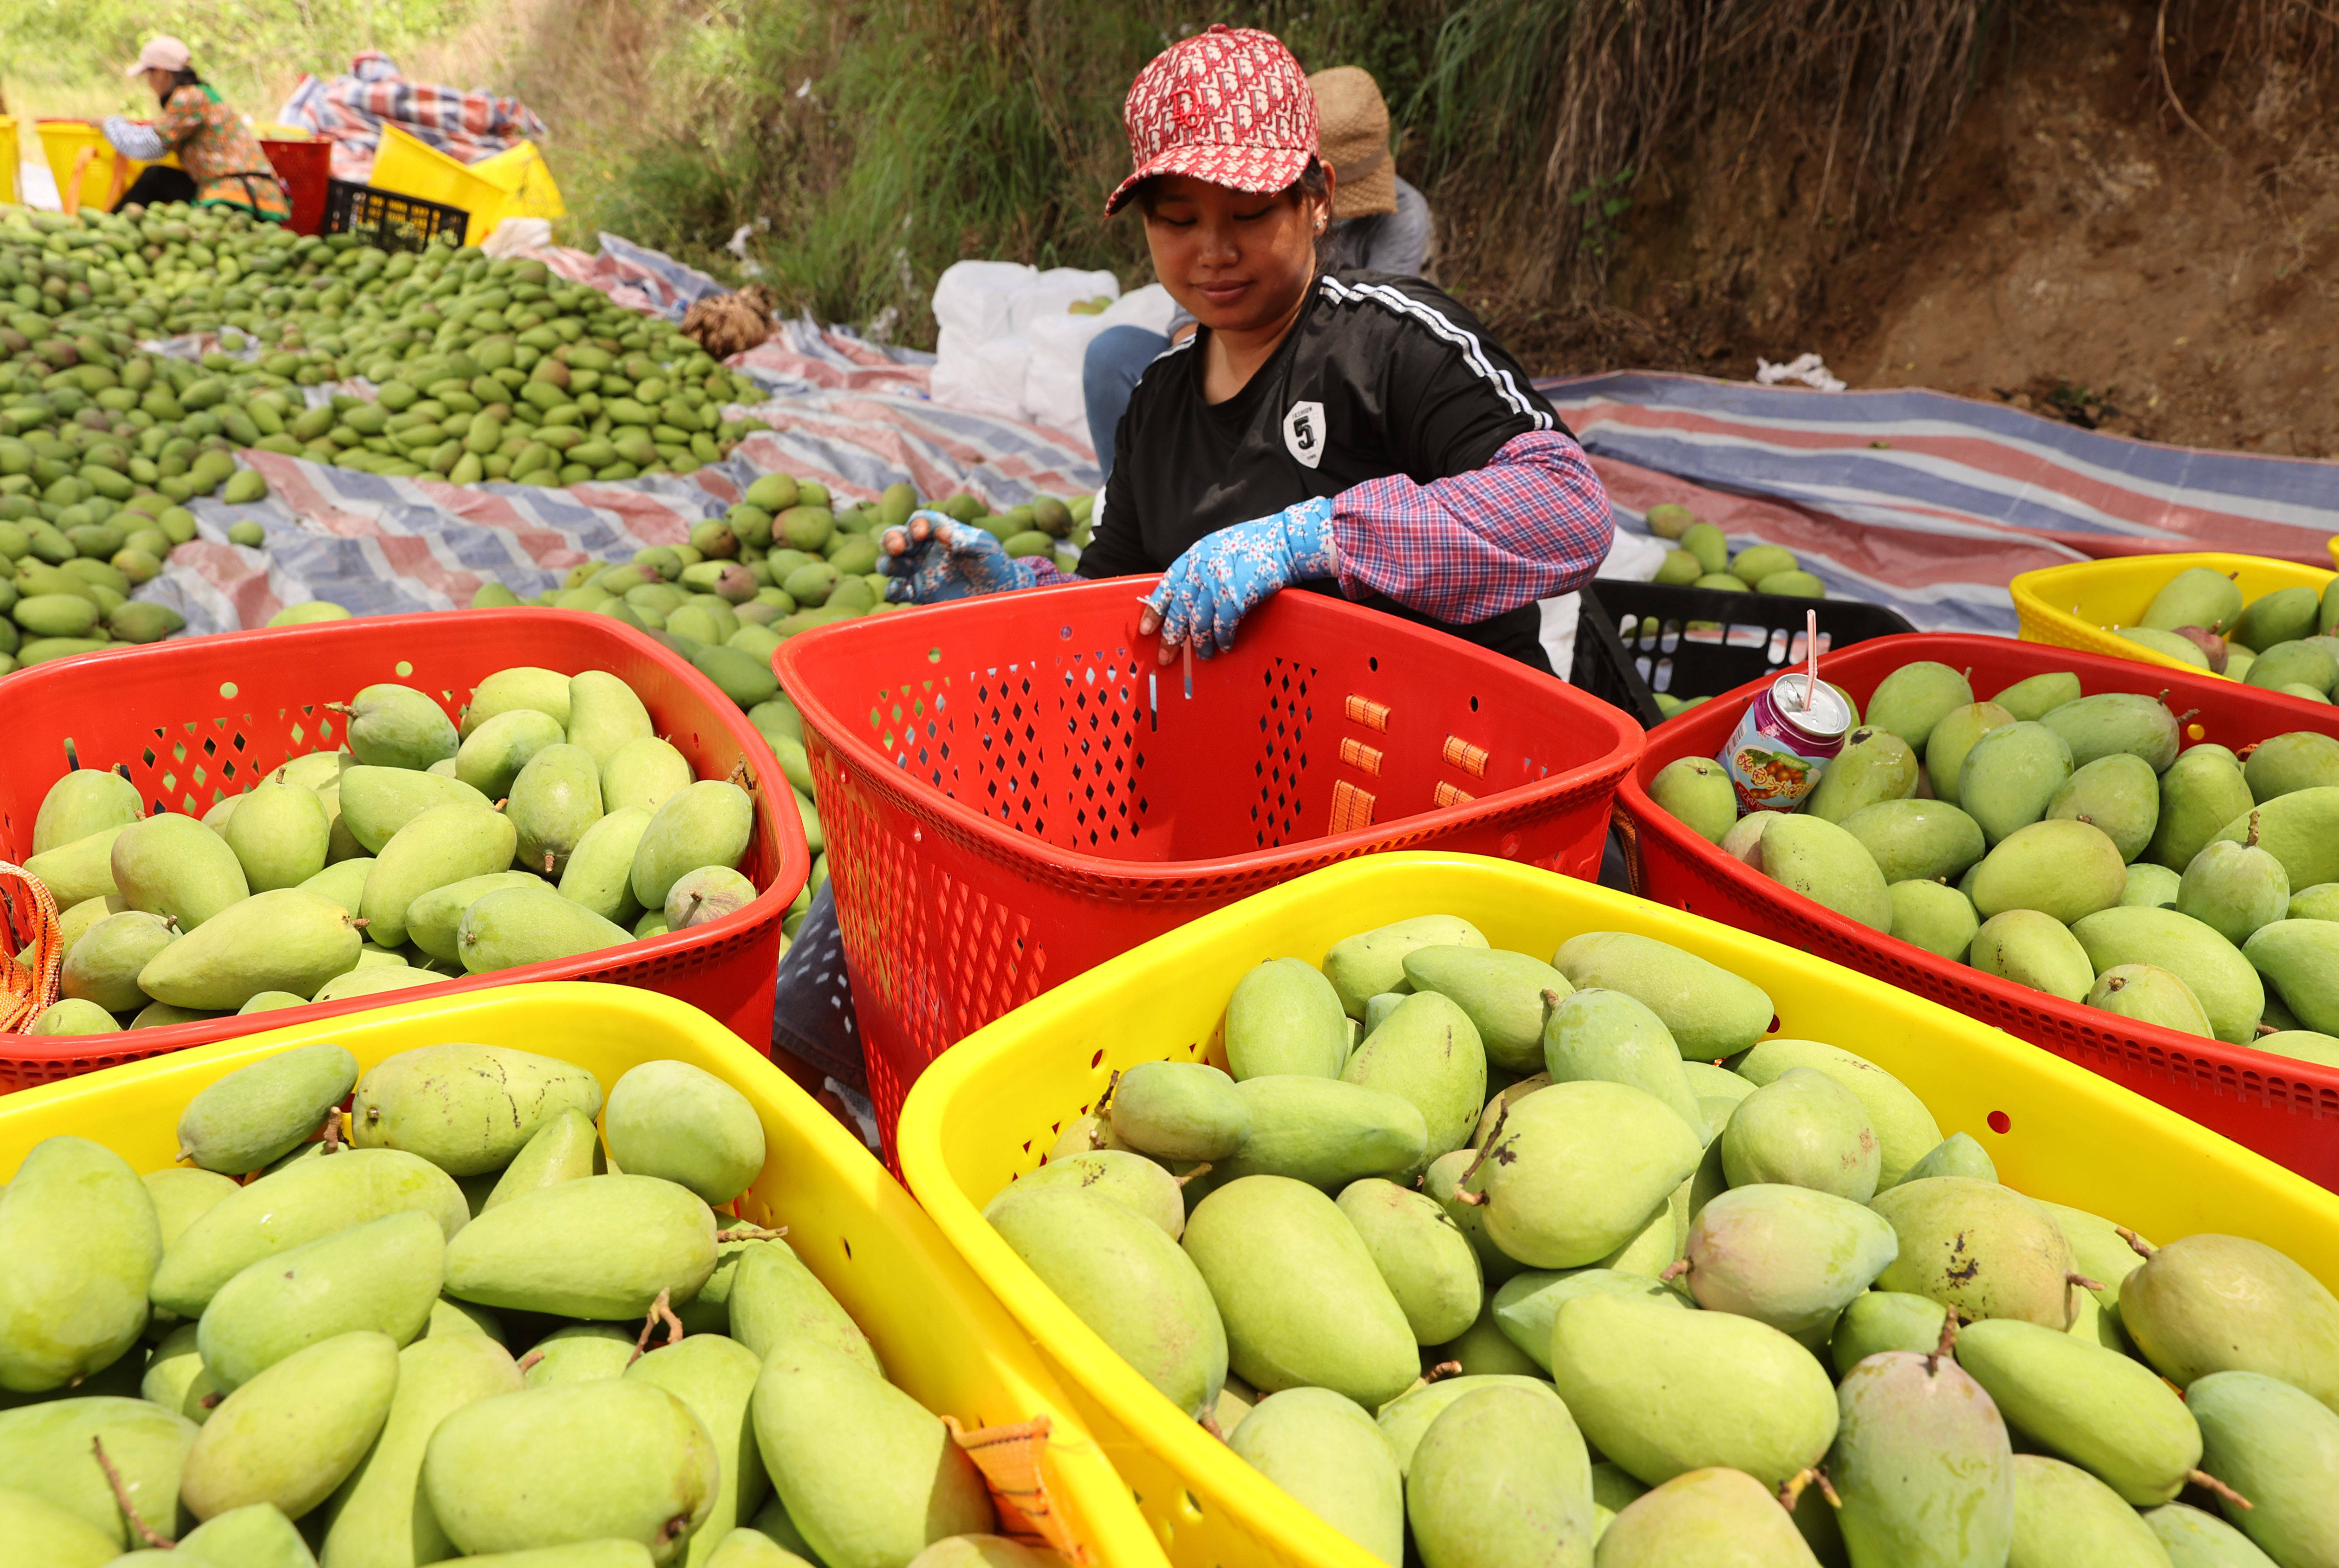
(218, 151)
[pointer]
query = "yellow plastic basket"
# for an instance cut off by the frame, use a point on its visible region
(2110, 594)
(942, 1336)
(62, 141)
(986, 1112)
(514, 184)
(7, 158)
(522, 175)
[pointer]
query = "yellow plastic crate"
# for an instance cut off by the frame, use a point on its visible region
(2104, 595)
(62, 141)
(521, 173)
(513, 183)
(943, 1338)
(988, 1109)
(7, 158)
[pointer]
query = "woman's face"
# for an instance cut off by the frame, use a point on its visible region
(1238, 261)
(159, 82)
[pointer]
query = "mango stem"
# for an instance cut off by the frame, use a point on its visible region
(2137, 1243)
(1791, 1492)
(659, 1312)
(2209, 1482)
(144, 1531)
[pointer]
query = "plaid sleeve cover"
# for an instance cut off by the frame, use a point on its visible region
(1534, 522)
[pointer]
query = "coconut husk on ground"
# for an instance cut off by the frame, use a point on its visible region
(728, 324)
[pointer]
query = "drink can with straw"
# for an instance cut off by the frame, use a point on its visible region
(1784, 741)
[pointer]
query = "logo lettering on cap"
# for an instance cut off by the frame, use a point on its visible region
(1303, 433)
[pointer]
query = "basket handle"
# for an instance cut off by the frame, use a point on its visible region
(28, 918)
(1010, 1459)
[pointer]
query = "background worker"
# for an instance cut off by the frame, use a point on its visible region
(1380, 223)
(222, 164)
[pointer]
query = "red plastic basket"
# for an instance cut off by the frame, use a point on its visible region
(198, 720)
(2287, 1110)
(304, 167)
(1014, 791)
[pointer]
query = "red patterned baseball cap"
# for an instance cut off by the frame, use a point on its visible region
(1230, 106)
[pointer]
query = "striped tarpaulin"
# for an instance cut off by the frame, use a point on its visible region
(350, 112)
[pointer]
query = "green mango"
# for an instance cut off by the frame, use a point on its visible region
(1804, 1128)
(74, 1017)
(1526, 1306)
(2036, 697)
(1933, 916)
(604, 714)
(1142, 1186)
(1981, 1247)
(2296, 956)
(1427, 1053)
(1874, 765)
(2197, 1540)
(81, 1240)
(2034, 949)
(494, 752)
(257, 1536)
(103, 965)
(2096, 1408)
(1916, 840)
(1325, 1453)
(1710, 1516)
(279, 835)
(2062, 1514)
(391, 725)
(599, 872)
(381, 1275)
(2118, 794)
(2011, 776)
(707, 894)
(84, 801)
(1661, 1392)
(1698, 791)
(2110, 721)
(633, 1466)
(1709, 545)
(182, 1196)
(82, 871)
(680, 1122)
(1923, 1466)
(47, 1450)
(1956, 1155)
(433, 919)
(257, 1114)
(1297, 1292)
(1500, 992)
(1179, 1111)
(2208, 1304)
(1710, 1011)
(1827, 866)
(303, 1202)
(599, 1247)
(2168, 645)
(2228, 989)
(2279, 1448)
(457, 1319)
(295, 1432)
(1325, 1131)
(1427, 1264)
(1376, 1011)
(2307, 663)
(1790, 1256)
(708, 824)
(1408, 1418)
(1904, 1128)
(1500, 1475)
(1602, 1034)
(1365, 965)
(74, 922)
(645, 773)
(445, 844)
(1589, 1164)
(2150, 995)
(2060, 867)
(374, 980)
(580, 1353)
(2300, 829)
(2200, 793)
(282, 940)
(1878, 1321)
(775, 1302)
(1915, 697)
(376, 802)
(1955, 735)
(2196, 596)
(554, 801)
(714, 1377)
(868, 1476)
(467, 1109)
(566, 1147)
(2234, 888)
(514, 926)
(170, 866)
(50, 1536)
(519, 686)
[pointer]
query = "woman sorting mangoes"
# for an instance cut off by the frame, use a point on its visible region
(222, 163)
(1340, 431)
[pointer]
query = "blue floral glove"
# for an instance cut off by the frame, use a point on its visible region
(1208, 589)
(933, 558)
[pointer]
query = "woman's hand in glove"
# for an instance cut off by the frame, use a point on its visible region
(933, 558)
(1208, 590)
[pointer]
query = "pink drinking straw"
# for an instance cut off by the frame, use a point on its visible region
(1812, 640)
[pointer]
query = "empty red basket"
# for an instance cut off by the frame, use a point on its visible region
(2287, 1110)
(1015, 790)
(197, 720)
(303, 167)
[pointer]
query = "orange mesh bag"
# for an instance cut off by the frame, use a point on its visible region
(1012, 1459)
(29, 925)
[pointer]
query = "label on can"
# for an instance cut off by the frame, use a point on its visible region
(1781, 747)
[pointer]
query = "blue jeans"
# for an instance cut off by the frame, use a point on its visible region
(1117, 357)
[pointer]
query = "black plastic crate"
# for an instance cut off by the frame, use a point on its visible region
(387, 220)
(1633, 640)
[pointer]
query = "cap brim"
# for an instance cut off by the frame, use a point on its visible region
(1262, 171)
(139, 69)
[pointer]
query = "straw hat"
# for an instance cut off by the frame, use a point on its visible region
(1354, 140)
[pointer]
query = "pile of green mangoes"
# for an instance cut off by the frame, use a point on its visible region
(2066, 843)
(65, 579)
(1664, 1273)
(2281, 641)
(1700, 558)
(483, 368)
(319, 1364)
(553, 821)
